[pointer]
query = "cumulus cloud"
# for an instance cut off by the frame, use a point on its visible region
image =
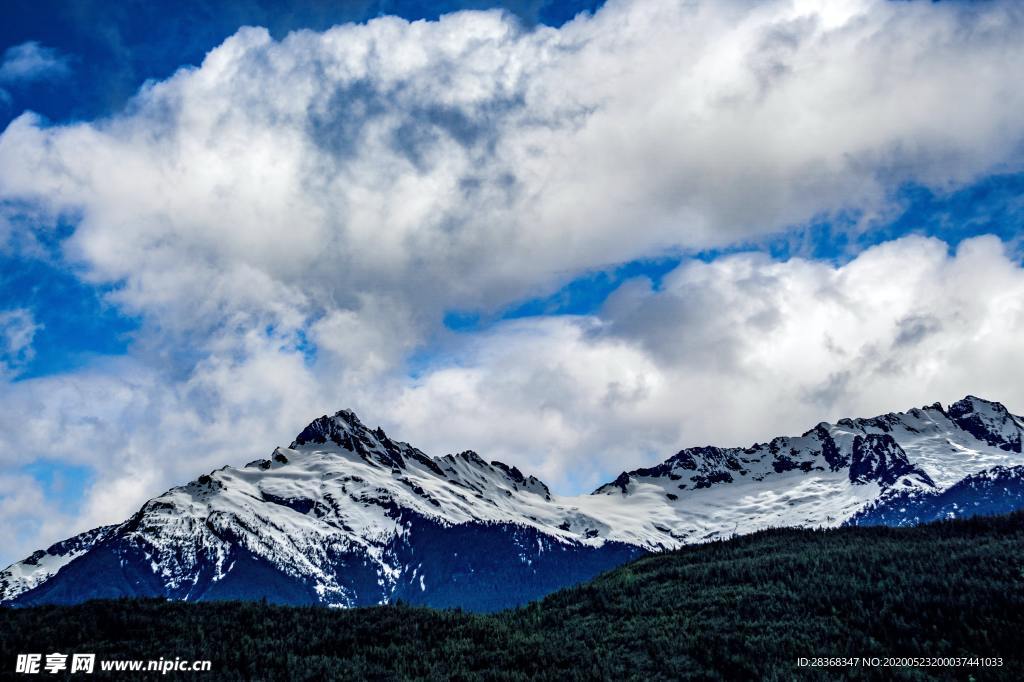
(31, 61)
(402, 168)
(291, 219)
(731, 352)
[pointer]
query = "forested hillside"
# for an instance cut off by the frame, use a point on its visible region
(746, 608)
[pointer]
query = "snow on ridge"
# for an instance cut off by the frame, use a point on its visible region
(928, 446)
(343, 489)
(42, 565)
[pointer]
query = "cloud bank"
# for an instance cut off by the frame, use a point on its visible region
(291, 220)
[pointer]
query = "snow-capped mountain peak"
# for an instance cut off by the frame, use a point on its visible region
(988, 421)
(347, 515)
(345, 435)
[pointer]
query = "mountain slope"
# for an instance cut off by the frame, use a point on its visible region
(996, 491)
(827, 474)
(742, 609)
(44, 563)
(347, 516)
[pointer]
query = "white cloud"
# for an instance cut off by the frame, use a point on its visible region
(31, 61)
(467, 163)
(21, 500)
(730, 352)
(344, 189)
(17, 330)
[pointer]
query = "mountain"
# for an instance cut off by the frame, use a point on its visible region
(44, 564)
(347, 516)
(743, 609)
(998, 490)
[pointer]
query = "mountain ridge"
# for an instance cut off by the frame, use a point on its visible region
(348, 516)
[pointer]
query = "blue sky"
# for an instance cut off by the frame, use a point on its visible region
(575, 245)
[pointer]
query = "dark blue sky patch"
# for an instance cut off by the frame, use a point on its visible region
(76, 323)
(586, 294)
(462, 322)
(993, 205)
